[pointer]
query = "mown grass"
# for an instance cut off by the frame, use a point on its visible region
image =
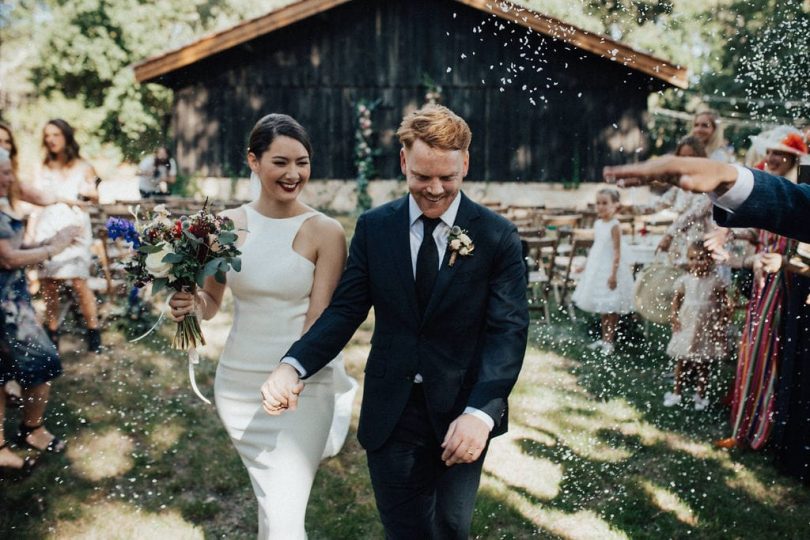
(591, 453)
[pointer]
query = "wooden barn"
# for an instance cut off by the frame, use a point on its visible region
(546, 101)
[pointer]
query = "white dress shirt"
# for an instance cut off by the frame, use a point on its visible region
(417, 232)
(739, 192)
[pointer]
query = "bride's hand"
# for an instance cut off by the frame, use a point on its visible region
(281, 389)
(182, 304)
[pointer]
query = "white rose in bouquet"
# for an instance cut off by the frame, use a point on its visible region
(155, 265)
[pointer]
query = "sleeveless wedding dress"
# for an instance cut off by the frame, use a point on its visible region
(281, 453)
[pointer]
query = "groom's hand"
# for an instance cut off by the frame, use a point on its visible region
(281, 389)
(465, 440)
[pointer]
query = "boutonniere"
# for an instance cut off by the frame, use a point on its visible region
(459, 244)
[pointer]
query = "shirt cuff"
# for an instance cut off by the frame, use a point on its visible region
(481, 415)
(739, 192)
(296, 364)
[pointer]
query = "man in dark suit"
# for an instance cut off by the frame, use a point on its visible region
(446, 279)
(742, 197)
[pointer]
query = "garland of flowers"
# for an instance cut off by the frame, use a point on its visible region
(364, 152)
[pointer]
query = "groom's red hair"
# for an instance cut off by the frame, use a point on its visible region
(437, 126)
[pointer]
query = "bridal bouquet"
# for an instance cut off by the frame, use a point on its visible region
(178, 254)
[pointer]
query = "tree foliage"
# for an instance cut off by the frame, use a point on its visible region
(80, 53)
(73, 58)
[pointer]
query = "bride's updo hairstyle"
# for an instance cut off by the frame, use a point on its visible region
(276, 125)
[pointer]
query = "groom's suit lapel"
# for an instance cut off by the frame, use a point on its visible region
(467, 214)
(401, 233)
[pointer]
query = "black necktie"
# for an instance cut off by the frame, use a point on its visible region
(427, 263)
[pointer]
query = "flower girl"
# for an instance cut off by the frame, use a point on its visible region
(606, 285)
(700, 317)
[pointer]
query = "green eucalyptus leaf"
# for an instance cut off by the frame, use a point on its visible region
(159, 284)
(149, 249)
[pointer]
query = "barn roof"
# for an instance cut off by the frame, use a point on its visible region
(167, 62)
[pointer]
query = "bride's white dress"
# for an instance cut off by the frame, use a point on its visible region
(281, 453)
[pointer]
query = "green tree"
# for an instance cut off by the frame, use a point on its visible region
(79, 54)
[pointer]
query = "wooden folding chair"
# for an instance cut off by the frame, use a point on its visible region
(540, 254)
(569, 266)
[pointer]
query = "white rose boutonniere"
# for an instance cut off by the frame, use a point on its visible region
(459, 243)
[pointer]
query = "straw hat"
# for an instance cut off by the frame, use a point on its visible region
(654, 290)
(783, 139)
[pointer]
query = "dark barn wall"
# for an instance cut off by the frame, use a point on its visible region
(315, 70)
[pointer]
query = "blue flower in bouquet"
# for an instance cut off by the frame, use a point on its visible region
(124, 229)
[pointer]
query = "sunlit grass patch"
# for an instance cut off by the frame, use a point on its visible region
(668, 501)
(95, 456)
(118, 521)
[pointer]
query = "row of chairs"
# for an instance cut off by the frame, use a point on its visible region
(553, 264)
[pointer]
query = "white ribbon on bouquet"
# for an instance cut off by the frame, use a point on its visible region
(193, 354)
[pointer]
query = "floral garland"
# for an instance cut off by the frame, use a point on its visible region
(364, 152)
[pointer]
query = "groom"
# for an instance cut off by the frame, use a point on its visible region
(446, 279)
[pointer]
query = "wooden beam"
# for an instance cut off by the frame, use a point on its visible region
(154, 67)
(588, 41)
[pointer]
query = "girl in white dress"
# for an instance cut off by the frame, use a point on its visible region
(292, 259)
(606, 284)
(68, 177)
(700, 317)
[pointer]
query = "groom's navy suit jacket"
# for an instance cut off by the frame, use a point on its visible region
(468, 347)
(775, 204)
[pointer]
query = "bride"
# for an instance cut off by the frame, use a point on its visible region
(292, 259)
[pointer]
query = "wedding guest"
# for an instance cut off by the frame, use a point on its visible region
(707, 127)
(304, 251)
(27, 355)
(156, 173)
(783, 149)
(699, 318)
(68, 176)
(606, 284)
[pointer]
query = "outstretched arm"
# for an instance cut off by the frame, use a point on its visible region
(692, 174)
(747, 198)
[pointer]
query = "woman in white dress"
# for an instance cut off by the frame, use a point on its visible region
(68, 177)
(292, 259)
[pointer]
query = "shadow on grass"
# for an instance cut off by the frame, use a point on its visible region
(653, 473)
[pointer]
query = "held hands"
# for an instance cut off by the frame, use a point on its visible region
(465, 440)
(281, 390)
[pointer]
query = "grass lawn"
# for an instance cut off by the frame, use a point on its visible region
(591, 453)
